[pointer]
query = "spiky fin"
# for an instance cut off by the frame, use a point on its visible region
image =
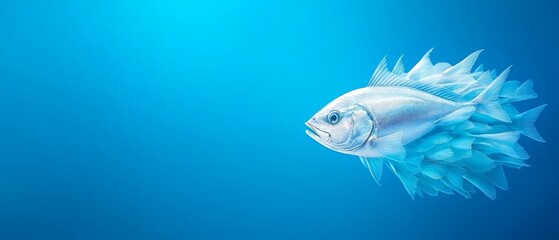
(375, 167)
(383, 77)
(421, 67)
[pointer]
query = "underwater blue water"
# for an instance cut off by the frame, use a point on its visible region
(184, 119)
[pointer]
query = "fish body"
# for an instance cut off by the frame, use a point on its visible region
(404, 109)
(439, 128)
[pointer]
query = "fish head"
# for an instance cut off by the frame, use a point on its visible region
(342, 125)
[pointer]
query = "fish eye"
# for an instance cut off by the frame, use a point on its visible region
(334, 117)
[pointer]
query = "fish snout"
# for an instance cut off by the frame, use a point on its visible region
(316, 133)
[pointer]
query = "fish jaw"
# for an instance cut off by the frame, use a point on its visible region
(316, 133)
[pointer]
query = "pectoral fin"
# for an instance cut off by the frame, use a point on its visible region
(390, 146)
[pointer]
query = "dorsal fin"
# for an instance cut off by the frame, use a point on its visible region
(421, 67)
(464, 66)
(383, 77)
(399, 66)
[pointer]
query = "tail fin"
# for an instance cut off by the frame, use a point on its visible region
(487, 101)
(503, 142)
(514, 91)
(525, 122)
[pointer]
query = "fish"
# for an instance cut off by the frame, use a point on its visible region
(440, 128)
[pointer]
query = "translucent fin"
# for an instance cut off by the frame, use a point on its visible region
(440, 153)
(438, 138)
(399, 67)
(504, 142)
(511, 162)
(513, 91)
(437, 70)
(432, 170)
(421, 67)
(364, 161)
(525, 122)
(465, 66)
(480, 68)
(436, 184)
(462, 143)
(510, 109)
(482, 184)
(479, 162)
(485, 79)
(407, 177)
(497, 176)
(457, 116)
(375, 167)
(383, 77)
(381, 69)
(525, 91)
(390, 146)
(487, 102)
(462, 127)
(455, 177)
(480, 128)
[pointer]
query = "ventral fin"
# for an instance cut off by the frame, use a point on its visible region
(375, 167)
(383, 77)
(408, 179)
(484, 184)
(364, 161)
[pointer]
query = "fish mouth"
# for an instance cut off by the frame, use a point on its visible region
(316, 134)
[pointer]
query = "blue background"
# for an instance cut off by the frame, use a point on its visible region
(184, 120)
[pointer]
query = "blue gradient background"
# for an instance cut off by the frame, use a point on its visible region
(184, 120)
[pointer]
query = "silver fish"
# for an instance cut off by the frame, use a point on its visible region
(439, 128)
